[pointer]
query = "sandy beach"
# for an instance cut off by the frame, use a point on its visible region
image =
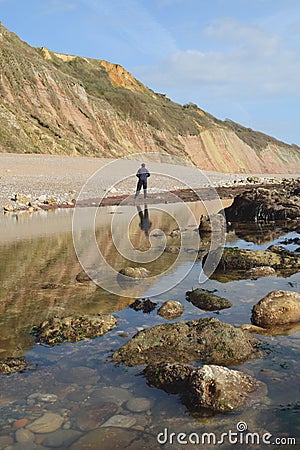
(63, 177)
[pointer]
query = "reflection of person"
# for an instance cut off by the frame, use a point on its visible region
(145, 223)
(142, 175)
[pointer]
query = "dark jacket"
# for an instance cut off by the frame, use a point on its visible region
(143, 173)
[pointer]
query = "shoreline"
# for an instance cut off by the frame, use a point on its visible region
(30, 182)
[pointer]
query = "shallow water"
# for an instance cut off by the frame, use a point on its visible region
(38, 267)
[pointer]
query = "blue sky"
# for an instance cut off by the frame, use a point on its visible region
(237, 59)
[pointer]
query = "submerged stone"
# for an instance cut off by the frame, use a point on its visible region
(203, 299)
(73, 328)
(206, 339)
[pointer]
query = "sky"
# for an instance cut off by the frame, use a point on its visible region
(236, 59)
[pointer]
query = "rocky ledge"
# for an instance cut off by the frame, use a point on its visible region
(73, 328)
(243, 261)
(261, 204)
(207, 340)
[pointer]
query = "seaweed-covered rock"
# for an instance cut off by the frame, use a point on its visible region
(206, 300)
(277, 308)
(206, 339)
(241, 259)
(10, 365)
(73, 328)
(261, 204)
(212, 387)
(171, 309)
(145, 305)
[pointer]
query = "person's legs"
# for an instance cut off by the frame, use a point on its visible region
(138, 188)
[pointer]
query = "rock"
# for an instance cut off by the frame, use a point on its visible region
(261, 204)
(276, 330)
(212, 387)
(262, 271)
(112, 394)
(92, 416)
(135, 272)
(6, 441)
(8, 208)
(171, 309)
(21, 198)
(10, 365)
(46, 424)
(215, 223)
(23, 435)
(20, 423)
(138, 404)
(107, 438)
(241, 259)
(219, 388)
(206, 300)
(73, 328)
(145, 305)
(83, 277)
(206, 339)
(120, 421)
(61, 438)
(277, 308)
(79, 375)
(40, 397)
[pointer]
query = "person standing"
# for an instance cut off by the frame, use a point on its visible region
(143, 174)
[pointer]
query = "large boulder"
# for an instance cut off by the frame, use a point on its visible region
(206, 300)
(207, 339)
(266, 204)
(73, 328)
(212, 387)
(277, 308)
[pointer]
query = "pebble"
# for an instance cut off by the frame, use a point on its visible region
(39, 397)
(91, 417)
(5, 441)
(79, 375)
(110, 394)
(23, 435)
(120, 421)
(61, 438)
(138, 404)
(46, 424)
(21, 423)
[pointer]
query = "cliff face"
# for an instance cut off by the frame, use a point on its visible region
(63, 104)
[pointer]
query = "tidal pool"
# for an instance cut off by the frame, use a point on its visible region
(77, 384)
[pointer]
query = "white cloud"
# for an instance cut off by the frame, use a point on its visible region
(248, 61)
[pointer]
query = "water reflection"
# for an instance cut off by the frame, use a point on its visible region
(145, 223)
